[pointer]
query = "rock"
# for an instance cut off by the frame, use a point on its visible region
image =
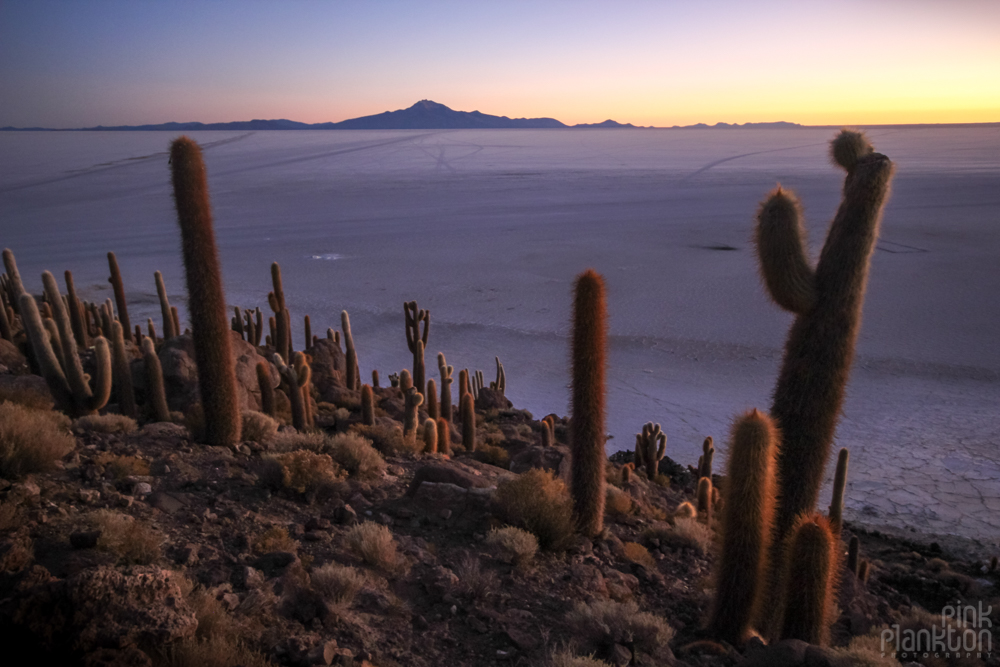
(188, 554)
(248, 577)
(84, 539)
(129, 656)
(556, 458)
(168, 502)
(345, 516)
(102, 608)
(317, 523)
(230, 601)
(322, 654)
(275, 563)
(817, 656)
(328, 370)
(786, 653)
(444, 474)
(142, 489)
(492, 399)
(620, 655)
(440, 581)
(88, 496)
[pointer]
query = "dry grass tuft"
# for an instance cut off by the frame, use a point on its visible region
(473, 581)
(494, 456)
(617, 502)
(31, 440)
(686, 534)
(604, 623)
(131, 539)
(290, 441)
(566, 659)
(275, 538)
(26, 397)
(356, 455)
(685, 511)
(109, 423)
(373, 543)
(387, 439)
(213, 619)
(217, 651)
(19, 554)
(337, 585)
(539, 503)
(512, 545)
(258, 427)
(636, 553)
(866, 651)
(302, 471)
(121, 467)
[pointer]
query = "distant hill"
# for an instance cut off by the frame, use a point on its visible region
(779, 125)
(608, 124)
(428, 115)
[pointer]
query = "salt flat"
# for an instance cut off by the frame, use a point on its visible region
(488, 229)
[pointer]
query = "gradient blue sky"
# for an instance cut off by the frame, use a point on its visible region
(77, 64)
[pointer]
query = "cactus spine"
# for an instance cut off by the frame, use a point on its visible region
(119, 289)
(467, 409)
(808, 581)
(157, 395)
(587, 424)
(839, 485)
(827, 301)
(122, 372)
(747, 521)
(206, 300)
(417, 341)
(650, 446)
(367, 406)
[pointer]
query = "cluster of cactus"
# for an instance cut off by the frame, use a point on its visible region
(282, 337)
(296, 378)
(416, 340)
(248, 324)
(501, 382)
(650, 446)
(548, 424)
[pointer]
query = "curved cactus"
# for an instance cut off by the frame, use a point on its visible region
(119, 290)
(650, 446)
(206, 300)
(827, 301)
(410, 421)
(747, 520)
(587, 483)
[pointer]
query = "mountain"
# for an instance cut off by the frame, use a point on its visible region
(428, 115)
(608, 124)
(777, 125)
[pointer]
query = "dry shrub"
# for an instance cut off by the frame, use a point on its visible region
(373, 543)
(26, 396)
(109, 423)
(31, 440)
(216, 651)
(490, 435)
(685, 511)
(10, 516)
(494, 456)
(131, 539)
(356, 455)
(337, 585)
(275, 538)
(302, 471)
(121, 467)
(258, 427)
(473, 581)
(867, 651)
(290, 441)
(19, 554)
(613, 475)
(566, 659)
(387, 439)
(617, 502)
(539, 503)
(213, 619)
(688, 534)
(512, 544)
(636, 553)
(604, 623)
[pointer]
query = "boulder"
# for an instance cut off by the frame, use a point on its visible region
(492, 399)
(328, 370)
(556, 458)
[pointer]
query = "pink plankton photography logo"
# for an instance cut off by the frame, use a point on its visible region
(965, 631)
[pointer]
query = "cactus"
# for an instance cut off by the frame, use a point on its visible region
(405, 381)
(169, 328)
(157, 395)
(627, 473)
(839, 484)
(296, 377)
(62, 370)
(747, 521)
(151, 329)
(206, 301)
(15, 288)
(705, 501)
(705, 462)
(236, 323)
(417, 341)
(863, 571)
(375, 378)
(304, 371)
(308, 333)
(5, 329)
(266, 389)
(283, 342)
(853, 553)
(501, 381)
(463, 383)
(443, 437)
(175, 318)
(410, 421)
(119, 289)
(548, 431)
(827, 301)
(685, 511)
(122, 372)
(808, 581)
(587, 434)
(432, 399)
(75, 310)
(650, 446)
(367, 406)
(430, 436)
(446, 380)
(467, 410)
(353, 375)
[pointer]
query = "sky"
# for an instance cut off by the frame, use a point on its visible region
(83, 63)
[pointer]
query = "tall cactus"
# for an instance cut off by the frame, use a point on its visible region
(446, 381)
(367, 405)
(75, 310)
(353, 376)
(417, 341)
(169, 325)
(266, 389)
(156, 393)
(650, 446)
(414, 399)
(812, 562)
(433, 409)
(587, 433)
(15, 288)
(839, 486)
(827, 301)
(122, 372)
(119, 290)
(747, 521)
(206, 300)
(467, 410)
(444, 436)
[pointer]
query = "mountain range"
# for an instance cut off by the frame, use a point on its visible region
(424, 115)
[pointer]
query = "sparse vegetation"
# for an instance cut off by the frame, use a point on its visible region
(636, 553)
(258, 427)
(109, 423)
(539, 503)
(600, 625)
(566, 659)
(302, 471)
(275, 538)
(617, 502)
(513, 544)
(374, 544)
(122, 467)
(131, 540)
(493, 455)
(356, 455)
(337, 584)
(31, 440)
(388, 440)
